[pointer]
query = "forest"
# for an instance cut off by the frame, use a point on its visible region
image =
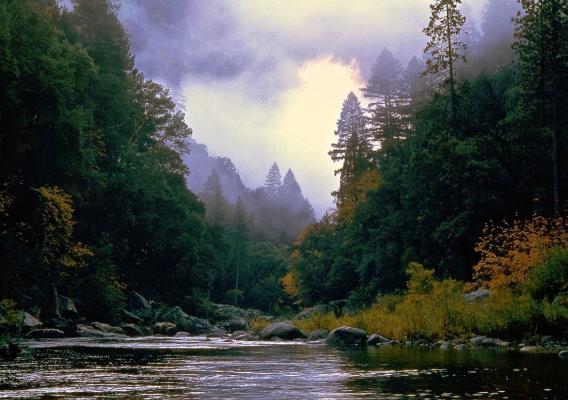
(453, 178)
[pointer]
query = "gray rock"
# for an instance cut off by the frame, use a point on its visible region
(310, 312)
(477, 295)
(318, 334)
(460, 347)
(185, 322)
(30, 322)
(133, 330)
(347, 336)
(376, 339)
(165, 328)
(531, 349)
(66, 308)
(281, 330)
(182, 334)
(229, 317)
(45, 333)
(477, 340)
(493, 342)
(238, 333)
(89, 331)
(217, 332)
(563, 354)
(101, 326)
(446, 346)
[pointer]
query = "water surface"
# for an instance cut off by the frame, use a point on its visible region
(196, 367)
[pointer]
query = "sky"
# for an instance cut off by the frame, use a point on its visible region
(264, 80)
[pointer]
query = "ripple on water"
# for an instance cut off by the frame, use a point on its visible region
(196, 367)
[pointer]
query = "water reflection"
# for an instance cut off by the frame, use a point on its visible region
(199, 368)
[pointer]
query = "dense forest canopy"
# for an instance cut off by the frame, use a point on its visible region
(96, 159)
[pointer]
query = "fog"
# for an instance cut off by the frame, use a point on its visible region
(264, 81)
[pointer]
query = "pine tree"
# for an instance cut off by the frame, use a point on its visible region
(215, 203)
(351, 124)
(543, 68)
(291, 191)
(445, 46)
(497, 33)
(273, 182)
(418, 85)
(240, 239)
(353, 147)
(389, 97)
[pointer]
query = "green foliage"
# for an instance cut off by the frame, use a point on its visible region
(10, 317)
(549, 281)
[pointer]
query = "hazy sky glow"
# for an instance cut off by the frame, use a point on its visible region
(264, 80)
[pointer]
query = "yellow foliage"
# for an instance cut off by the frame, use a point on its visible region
(354, 192)
(55, 218)
(436, 310)
(509, 251)
(290, 284)
(259, 323)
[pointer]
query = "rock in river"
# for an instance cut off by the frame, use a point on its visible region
(318, 334)
(281, 330)
(45, 333)
(375, 340)
(347, 336)
(165, 328)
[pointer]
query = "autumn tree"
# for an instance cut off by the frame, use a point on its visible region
(445, 46)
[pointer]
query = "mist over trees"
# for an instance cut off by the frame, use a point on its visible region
(455, 145)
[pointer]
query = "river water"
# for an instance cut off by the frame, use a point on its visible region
(196, 367)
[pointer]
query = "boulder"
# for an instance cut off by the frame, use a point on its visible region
(165, 328)
(30, 322)
(229, 317)
(477, 340)
(347, 336)
(184, 322)
(133, 330)
(318, 334)
(281, 330)
(310, 312)
(477, 294)
(182, 334)
(531, 349)
(446, 346)
(235, 334)
(66, 308)
(101, 326)
(216, 332)
(88, 331)
(460, 347)
(563, 354)
(376, 339)
(493, 342)
(45, 333)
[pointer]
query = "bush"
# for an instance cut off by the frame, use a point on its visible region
(10, 317)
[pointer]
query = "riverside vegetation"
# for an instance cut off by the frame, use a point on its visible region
(449, 218)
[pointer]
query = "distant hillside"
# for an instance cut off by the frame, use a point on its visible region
(279, 209)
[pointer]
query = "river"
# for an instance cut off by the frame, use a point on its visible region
(196, 367)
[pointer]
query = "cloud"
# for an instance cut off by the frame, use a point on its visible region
(264, 80)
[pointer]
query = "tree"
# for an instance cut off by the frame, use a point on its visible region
(497, 33)
(445, 46)
(353, 147)
(291, 191)
(273, 182)
(543, 66)
(240, 238)
(215, 203)
(389, 98)
(418, 85)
